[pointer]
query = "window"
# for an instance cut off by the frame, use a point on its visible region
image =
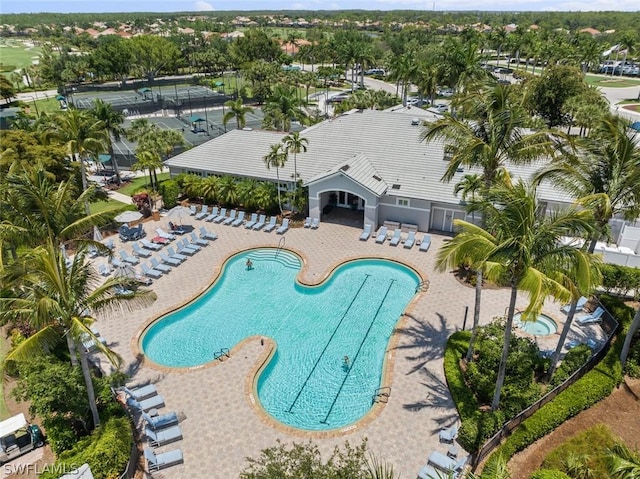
(402, 201)
(448, 153)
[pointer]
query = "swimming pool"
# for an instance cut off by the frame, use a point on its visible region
(543, 325)
(306, 384)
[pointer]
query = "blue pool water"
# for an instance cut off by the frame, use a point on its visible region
(306, 384)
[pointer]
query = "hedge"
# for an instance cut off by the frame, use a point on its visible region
(549, 474)
(106, 451)
(594, 386)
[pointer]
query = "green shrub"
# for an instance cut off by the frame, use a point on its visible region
(620, 280)
(572, 361)
(106, 450)
(170, 191)
(549, 474)
(592, 442)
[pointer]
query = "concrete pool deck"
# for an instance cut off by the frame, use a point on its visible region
(220, 426)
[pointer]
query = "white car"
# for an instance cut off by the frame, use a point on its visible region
(445, 92)
(440, 108)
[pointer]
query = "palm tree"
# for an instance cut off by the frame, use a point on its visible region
(276, 158)
(283, 106)
(60, 301)
(147, 160)
(604, 173)
(112, 120)
(523, 249)
(246, 189)
(82, 134)
(228, 190)
(208, 187)
(265, 194)
(294, 143)
(238, 111)
(623, 463)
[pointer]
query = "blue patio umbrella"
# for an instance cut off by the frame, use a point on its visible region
(636, 125)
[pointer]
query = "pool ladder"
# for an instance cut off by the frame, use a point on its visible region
(381, 395)
(423, 286)
(220, 354)
(280, 245)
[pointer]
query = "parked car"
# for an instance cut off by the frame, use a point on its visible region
(412, 101)
(445, 92)
(439, 108)
(339, 98)
(17, 437)
(374, 71)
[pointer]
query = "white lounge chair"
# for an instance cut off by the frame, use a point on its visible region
(220, 218)
(213, 215)
(315, 223)
(272, 224)
(307, 222)
(155, 462)
(141, 393)
(239, 220)
(185, 250)
(188, 245)
(164, 436)
(127, 258)
(151, 273)
(284, 228)
(150, 245)
(260, 223)
(160, 422)
(395, 239)
(104, 270)
(192, 210)
(146, 405)
(141, 252)
(110, 245)
(591, 318)
(425, 243)
(231, 218)
(163, 268)
(449, 434)
(174, 255)
(203, 212)
(411, 239)
(173, 260)
(198, 241)
(366, 233)
(163, 234)
(382, 235)
(207, 234)
(581, 303)
(254, 218)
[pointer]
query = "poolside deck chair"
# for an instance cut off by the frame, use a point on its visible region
(172, 254)
(141, 252)
(307, 222)
(155, 462)
(239, 220)
(430, 472)
(146, 405)
(315, 223)
(207, 234)
(442, 461)
(186, 245)
(104, 270)
(382, 235)
(220, 218)
(160, 422)
(411, 240)
(176, 229)
(169, 259)
(192, 210)
(116, 263)
(271, 225)
(366, 233)
(140, 393)
(93, 251)
(231, 218)
(449, 434)
(284, 228)
(127, 258)
(591, 318)
(198, 241)
(395, 239)
(149, 272)
(89, 342)
(164, 436)
(213, 215)
(184, 250)
(163, 234)
(150, 245)
(121, 290)
(163, 268)
(260, 223)
(204, 212)
(254, 218)
(425, 243)
(582, 302)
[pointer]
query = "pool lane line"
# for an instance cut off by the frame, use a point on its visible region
(366, 277)
(346, 376)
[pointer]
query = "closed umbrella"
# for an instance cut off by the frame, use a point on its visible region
(128, 216)
(125, 271)
(97, 236)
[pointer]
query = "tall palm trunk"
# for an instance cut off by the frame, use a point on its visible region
(295, 178)
(476, 315)
(635, 324)
(562, 339)
(86, 373)
(278, 188)
(505, 348)
(83, 175)
(73, 350)
(116, 168)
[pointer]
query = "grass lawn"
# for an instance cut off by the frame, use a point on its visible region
(100, 206)
(16, 55)
(630, 101)
(47, 105)
(609, 82)
(140, 184)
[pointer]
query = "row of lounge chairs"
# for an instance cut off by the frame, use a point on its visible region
(237, 218)
(312, 223)
(444, 465)
(158, 429)
(585, 318)
(396, 238)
